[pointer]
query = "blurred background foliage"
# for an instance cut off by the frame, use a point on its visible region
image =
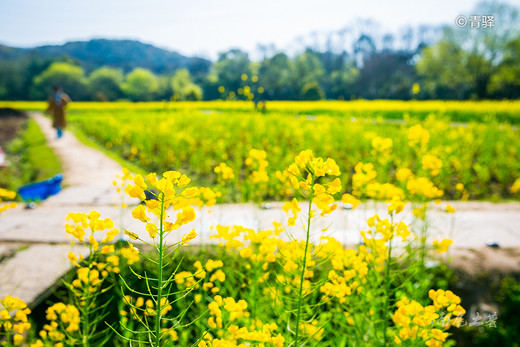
(357, 62)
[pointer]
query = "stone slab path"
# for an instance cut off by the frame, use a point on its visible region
(34, 245)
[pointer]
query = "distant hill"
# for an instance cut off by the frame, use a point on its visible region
(123, 54)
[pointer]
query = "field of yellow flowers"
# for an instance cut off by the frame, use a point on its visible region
(270, 287)
(217, 141)
(255, 288)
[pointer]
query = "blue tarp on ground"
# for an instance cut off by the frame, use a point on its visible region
(41, 190)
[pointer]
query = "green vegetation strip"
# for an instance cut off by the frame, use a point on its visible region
(31, 160)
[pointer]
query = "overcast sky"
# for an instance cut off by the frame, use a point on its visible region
(206, 27)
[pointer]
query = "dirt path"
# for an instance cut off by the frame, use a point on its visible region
(34, 239)
(33, 244)
(84, 167)
(88, 176)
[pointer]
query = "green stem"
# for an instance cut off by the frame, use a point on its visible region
(424, 229)
(159, 279)
(255, 276)
(86, 320)
(304, 266)
(423, 246)
(387, 282)
(8, 337)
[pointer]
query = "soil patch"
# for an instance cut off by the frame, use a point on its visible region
(11, 121)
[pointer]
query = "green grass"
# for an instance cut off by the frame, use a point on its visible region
(31, 160)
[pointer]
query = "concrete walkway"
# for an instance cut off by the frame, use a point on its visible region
(34, 244)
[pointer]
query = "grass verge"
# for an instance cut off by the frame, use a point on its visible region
(30, 159)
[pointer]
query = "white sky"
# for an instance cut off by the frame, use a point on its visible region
(206, 27)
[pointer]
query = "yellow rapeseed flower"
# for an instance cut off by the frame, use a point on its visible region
(350, 199)
(432, 164)
(131, 254)
(188, 237)
(450, 209)
(418, 135)
(139, 181)
(395, 205)
(403, 174)
(515, 188)
(140, 214)
(132, 235)
(442, 246)
(73, 259)
(6, 195)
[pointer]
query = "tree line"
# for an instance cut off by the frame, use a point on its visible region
(424, 63)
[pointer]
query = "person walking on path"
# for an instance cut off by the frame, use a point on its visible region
(57, 102)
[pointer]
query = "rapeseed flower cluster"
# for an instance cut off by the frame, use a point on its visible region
(382, 149)
(132, 309)
(206, 197)
(171, 191)
(200, 139)
(204, 277)
(81, 223)
(226, 320)
(167, 196)
(432, 164)
(422, 188)
(417, 323)
(364, 184)
(257, 164)
(168, 206)
(311, 330)
(233, 310)
(306, 171)
(224, 172)
(418, 136)
(382, 146)
(63, 319)
(385, 230)
(75, 323)
(13, 319)
(348, 272)
(258, 281)
(121, 183)
(6, 195)
(131, 254)
(442, 246)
